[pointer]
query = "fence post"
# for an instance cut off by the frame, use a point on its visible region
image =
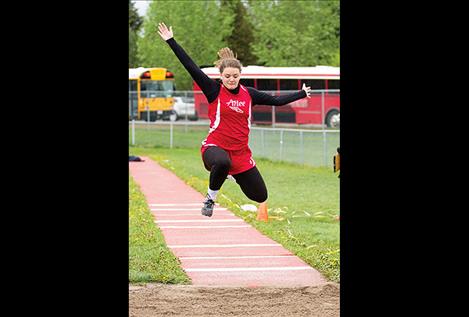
(302, 148)
(262, 141)
(187, 110)
(171, 135)
(273, 117)
(281, 144)
(133, 131)
(323, 130)
(147, 106)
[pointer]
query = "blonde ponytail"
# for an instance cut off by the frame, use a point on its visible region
(227, 59)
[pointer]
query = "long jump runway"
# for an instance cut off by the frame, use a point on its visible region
(222, 250)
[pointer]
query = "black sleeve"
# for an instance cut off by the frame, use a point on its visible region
(261, 98)
(209, 87)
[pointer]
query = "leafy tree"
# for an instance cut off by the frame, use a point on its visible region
(327, 32)
(296, 33)
(133, 59)
(198, 26)
(135, 22)
(241, 38)
(272, 33)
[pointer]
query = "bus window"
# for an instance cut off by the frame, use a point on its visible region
(168, 87)
(247, 82)
(333, 84)
(267, 84)
(289, 84)
(314, 83)
(156, 88)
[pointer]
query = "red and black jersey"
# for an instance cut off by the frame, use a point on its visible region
(230, 119)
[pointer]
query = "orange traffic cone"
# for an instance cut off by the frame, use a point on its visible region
(262, 214)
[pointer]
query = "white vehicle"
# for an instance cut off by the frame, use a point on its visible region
(183, 107)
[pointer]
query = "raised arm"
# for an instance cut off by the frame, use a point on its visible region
(209, 87)
(261, 98)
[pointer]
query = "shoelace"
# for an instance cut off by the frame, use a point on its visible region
(209, 203)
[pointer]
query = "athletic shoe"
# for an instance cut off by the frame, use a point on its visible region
(207, 209)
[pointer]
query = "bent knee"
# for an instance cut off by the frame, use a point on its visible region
(260, 197)
(224, 164)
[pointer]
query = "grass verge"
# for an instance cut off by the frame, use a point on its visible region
(150, 260)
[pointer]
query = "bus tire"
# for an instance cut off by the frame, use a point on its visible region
(170, 116)
(144, 116)
(173, 116)
(194, 118)
(330, 118)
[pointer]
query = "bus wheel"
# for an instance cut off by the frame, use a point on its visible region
(195, 117)
(333, 119)
(173, 116)
(145, 117)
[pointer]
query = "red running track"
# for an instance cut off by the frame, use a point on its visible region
(219, 251)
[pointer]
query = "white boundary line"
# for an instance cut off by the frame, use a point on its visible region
(192, 214)
(224, 245)
(179, 204)
(234, 257)
(183, 209)
(197, 220)
(202, 227)
(243, 269)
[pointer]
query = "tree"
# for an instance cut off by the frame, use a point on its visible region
(133, 58)
(296, 33)
(135, 22)
(199, 27)
(240, 40)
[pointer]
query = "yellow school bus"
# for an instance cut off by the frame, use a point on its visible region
(150, 93)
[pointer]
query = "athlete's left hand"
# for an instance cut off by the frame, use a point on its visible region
(306, 89)
(164, 32)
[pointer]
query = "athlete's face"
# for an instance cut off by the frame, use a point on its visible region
(230, 77)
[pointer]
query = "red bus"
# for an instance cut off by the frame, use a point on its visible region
(322, 107)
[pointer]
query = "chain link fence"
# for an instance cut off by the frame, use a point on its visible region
(310, 147)
(314, 147)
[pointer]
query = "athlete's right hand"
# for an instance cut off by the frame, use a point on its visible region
(307, 90)
(164, 32)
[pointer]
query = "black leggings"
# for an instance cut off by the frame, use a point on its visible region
(218, 162)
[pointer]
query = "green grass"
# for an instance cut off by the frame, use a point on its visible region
(303, 203)
(150, 260)
(159, 135)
